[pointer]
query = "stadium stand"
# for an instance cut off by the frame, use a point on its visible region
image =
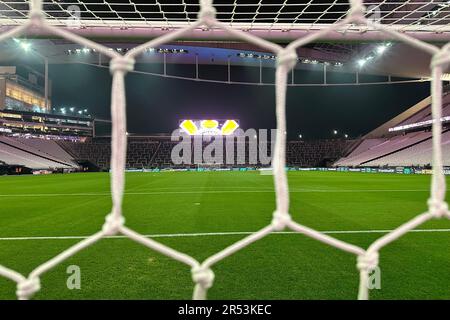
(96, 151)
(140, 152)
(156, 152)
(402, 141)
(382, 147)
(162, 158)
(49, 148)
(14, 152)
(315, 153)
(417, 155)
(406, 140)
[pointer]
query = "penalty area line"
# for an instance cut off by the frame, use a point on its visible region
(214, 234)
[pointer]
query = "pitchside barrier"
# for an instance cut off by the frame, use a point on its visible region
(202, 273)
(268, 171)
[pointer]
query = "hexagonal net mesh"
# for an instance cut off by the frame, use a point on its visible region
(406, 15)
(202, 274)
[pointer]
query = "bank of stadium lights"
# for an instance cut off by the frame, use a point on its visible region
(336, 133)
(23, 44)
(167, 50)
(80, 51)
(377, 52)
(71, 110)
(273, 57)
(381, 49)
(256, 56)
(361, 62)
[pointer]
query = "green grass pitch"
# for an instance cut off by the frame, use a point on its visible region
(280, 266)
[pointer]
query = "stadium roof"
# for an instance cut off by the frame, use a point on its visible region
(383, 130)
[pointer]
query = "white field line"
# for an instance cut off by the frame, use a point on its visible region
(97, 194)
(215, 234)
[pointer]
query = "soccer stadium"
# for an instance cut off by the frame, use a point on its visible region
(222, 150)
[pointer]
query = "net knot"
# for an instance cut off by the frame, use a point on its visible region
(441, 58)
(36, 17)
(280, 220)
(287, 57)
(367, 261)
(122, 64)
(207, 11)
(438, 208)
(357, 9)
(113, 224)
(203, 277)
(28, 287)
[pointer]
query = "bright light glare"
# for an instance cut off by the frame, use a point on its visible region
(381, 49)
(25, 46)
(361, 62)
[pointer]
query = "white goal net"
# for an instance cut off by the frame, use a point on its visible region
(282, 19)
(38, 18)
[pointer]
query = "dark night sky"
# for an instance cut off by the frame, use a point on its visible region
(155, 104)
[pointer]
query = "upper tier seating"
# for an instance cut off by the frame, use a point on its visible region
(385, 147)
(418, 155)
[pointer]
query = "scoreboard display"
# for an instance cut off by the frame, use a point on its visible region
(209, 127)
